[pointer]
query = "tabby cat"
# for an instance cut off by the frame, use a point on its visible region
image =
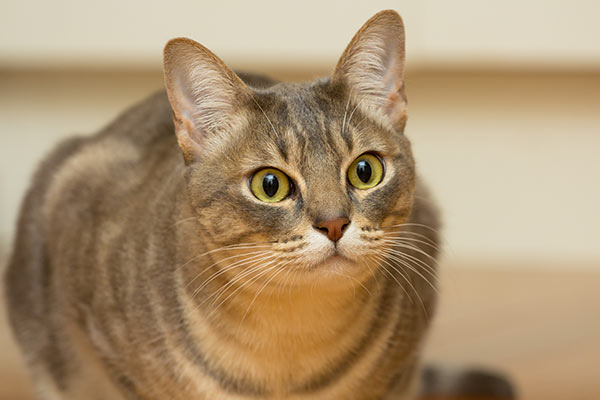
(234, 238)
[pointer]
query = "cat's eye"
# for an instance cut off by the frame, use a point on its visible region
(270, 185)
(366, 171)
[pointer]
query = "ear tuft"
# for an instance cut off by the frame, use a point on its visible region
(207, 98)
(372, 67)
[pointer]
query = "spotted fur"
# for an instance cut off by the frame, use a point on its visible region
(141, 274)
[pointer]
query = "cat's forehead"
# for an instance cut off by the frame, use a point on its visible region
(301, 104)
(315, 122)
(301, 125)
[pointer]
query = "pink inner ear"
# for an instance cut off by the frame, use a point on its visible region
(184, 108)
(184, 99)
(396, 103)
(392, 79)
(188, 138)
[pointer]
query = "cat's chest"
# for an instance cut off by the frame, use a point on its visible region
(291, 355)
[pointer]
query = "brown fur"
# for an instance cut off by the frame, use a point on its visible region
(137, 274)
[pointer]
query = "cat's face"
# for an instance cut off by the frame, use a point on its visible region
(314, 174)
(300, 137)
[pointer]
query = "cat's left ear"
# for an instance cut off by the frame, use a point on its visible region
(372, 68)
(207, 98)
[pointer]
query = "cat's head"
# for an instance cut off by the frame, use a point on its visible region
(315, 172)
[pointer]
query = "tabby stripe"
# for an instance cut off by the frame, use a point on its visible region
(354, 355)
(173, 315)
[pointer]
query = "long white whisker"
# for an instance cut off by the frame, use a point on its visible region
(405, 263)
(183, 220)
(265, 114)
(249, 270)
(396, 246)
(352, 113)
(398, 243)
(345, 113)
(281, 267)
(400, 235)
(381, 259)
(241, 276)
(237, 264)
(409, 224)
(373, 269)
(409, 283)
(245, 284)
(253, 255)
(244, 246)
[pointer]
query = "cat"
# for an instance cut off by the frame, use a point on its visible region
(234, 238)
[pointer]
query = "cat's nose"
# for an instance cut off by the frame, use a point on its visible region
(333, 228)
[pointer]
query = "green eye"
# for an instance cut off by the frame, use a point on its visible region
(365, 172)
(270, 185)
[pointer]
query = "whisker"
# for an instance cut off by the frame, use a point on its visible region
(254, 266)
(397, 242)
(411, 224)
(371, 269)
(265, 114)
(399, 235)
(396, 246)
(252, 254)
(355, 280)
(281, 266)
(409, 283)
(263, 256)
(249, 256)
(405, 263)
(183, 220)
(352, 113)
(345, 113)
(245, 284)
(382, 259)
(240, 277)
(411, 233)
(225, 248)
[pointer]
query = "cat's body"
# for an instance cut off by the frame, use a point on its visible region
(136, 275)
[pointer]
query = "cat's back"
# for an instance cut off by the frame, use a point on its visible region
(90, 169)
(84, 182)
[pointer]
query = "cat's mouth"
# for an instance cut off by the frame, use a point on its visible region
(337, 256)
(334, 256)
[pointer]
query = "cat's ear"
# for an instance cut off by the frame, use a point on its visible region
(207, 98)
(372, 68)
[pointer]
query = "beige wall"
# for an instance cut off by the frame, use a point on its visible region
(116, 33)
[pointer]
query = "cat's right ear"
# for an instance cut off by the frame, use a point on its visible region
(207, 98)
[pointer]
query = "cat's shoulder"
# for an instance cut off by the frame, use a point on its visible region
(425, 210)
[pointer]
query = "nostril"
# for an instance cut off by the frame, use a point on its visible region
(333, 228)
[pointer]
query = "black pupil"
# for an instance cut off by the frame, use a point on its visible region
(363, 170)
(270, 185)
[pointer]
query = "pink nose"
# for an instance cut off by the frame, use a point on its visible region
(333, 228)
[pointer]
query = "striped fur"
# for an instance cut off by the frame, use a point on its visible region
(139, 274)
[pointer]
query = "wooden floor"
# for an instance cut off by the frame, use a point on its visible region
(541, 325)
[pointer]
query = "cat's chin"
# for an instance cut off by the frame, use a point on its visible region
(336, 259)
(337, 263)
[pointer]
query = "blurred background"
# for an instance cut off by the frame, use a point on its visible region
(504, 115)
